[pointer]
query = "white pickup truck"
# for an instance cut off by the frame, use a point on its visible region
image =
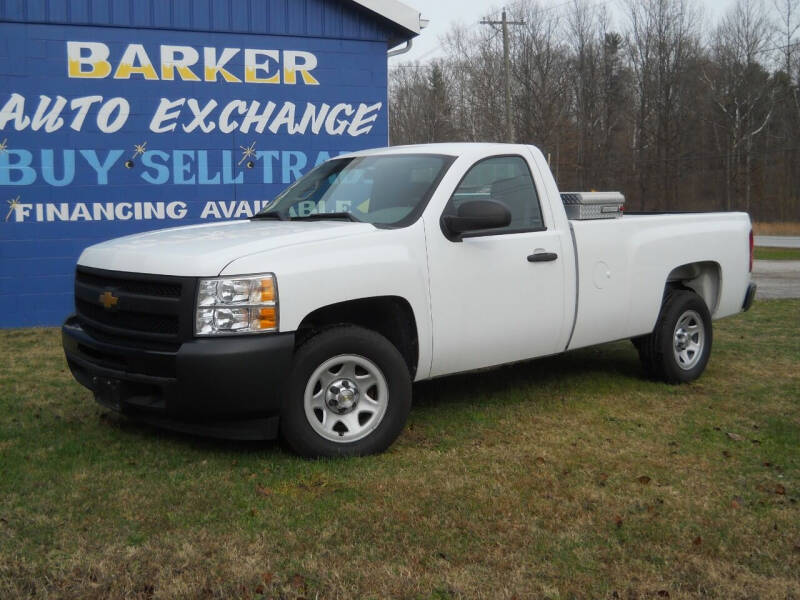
(379, 268)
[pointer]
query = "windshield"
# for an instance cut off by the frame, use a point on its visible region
(383, 190)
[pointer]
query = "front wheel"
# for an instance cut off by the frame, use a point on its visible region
(348, 394)
(679, 348)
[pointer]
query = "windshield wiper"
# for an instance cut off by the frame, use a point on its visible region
(274, 214)
(280, 216)
(332, 215)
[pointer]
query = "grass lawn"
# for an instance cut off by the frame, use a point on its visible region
(765, 253)
(569, 477)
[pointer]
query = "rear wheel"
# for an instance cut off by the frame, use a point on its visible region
(349, 394)
(679, 348)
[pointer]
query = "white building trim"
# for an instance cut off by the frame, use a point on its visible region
(396, 12)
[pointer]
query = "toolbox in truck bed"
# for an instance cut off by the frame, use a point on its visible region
(592, 205)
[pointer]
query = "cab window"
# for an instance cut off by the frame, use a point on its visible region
(504, 179)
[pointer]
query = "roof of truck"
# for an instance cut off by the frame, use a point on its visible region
(448, 148)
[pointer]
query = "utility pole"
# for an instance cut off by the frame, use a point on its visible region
(504, 22)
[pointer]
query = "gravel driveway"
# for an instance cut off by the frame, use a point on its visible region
(777, 278)
(778, 241)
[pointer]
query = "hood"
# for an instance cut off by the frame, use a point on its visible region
(204, 250)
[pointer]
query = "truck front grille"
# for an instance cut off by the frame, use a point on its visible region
(157, 288)
(134, 321)
(134, 308)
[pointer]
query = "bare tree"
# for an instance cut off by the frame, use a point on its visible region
(615, 100)
(786, 117)
(421, 105)
(673, 119)
(599, 96)
(789, 20)
(476, 62)
(740, 90)
(541, 75)
(663, 41)
(587, 67)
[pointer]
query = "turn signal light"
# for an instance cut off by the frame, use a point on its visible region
(267, 318)
(267, 290)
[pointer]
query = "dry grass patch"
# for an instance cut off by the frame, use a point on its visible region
(569, 477)
(777, 228)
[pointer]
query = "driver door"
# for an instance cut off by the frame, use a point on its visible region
(492, 302)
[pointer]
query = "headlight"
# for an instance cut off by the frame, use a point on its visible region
(232, 305)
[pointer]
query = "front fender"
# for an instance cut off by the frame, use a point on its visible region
(382, 262)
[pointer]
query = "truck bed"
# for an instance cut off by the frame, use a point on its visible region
(621, 269)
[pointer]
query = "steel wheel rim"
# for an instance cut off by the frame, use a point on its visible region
(346, 398)
(688, 340)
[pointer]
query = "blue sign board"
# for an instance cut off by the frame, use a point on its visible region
(108, 131)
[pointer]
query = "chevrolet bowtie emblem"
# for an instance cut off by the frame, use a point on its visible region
(107, 299)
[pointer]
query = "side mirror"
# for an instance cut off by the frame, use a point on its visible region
(474, 216)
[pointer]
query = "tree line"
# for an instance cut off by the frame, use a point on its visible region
(676, 113)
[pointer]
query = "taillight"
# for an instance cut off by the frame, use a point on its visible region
(751, 250)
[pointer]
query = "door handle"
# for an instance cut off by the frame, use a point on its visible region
(542, 257)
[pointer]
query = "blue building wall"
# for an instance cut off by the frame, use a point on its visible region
(317, 18)
(99, 139)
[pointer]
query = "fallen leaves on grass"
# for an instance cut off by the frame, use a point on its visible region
(486, 504)
(735, 437)
(298, 581)
(773, 488)
(697, 541)
(644, 479)
(263, 491)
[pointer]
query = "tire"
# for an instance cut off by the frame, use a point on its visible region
(678, 349)
(348, 394)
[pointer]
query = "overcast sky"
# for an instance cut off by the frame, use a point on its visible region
(444, 13)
